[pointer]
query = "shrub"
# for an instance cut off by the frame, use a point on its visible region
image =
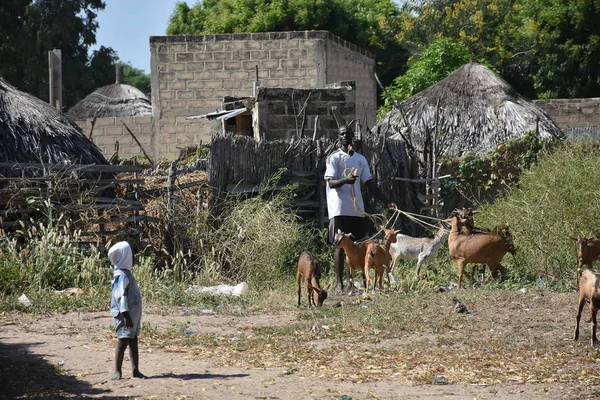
(255, 239)
(555, 200)
(49, 257)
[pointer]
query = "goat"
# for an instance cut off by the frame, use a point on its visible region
(378, 257)
(421, 249)
(309, 267)
(481, 248)
(355, 255)
(589, 292)
(502, 230)
(588, 251)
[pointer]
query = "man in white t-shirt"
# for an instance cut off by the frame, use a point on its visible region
(345, 170)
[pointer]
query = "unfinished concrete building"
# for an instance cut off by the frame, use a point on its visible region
(192, 75)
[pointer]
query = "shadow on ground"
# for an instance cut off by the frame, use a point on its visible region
(25, 375)
(187, 377)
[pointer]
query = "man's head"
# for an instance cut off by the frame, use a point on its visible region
(346, 135)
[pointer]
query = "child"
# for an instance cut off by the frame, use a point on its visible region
(125, 307)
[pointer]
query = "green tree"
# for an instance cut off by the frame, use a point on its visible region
(490, 29)
(31, 28)
(370, 24)
(430, 66)
(562, 46)
(543, 48)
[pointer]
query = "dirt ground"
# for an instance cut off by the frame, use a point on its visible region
(71, 356)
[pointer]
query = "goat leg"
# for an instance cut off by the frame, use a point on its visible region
(339, 258)
(594, 326)
(419, 263)
(392, 265)
(367, 278)
(309, 293)
(461, 271)
(350, 278)
(387, 271)
(298, 278)
(578, 316)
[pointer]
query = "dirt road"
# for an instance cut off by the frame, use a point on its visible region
(71, 356)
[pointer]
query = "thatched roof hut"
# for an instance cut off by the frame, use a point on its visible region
(116, 100)
(32, 131)
(472, 109)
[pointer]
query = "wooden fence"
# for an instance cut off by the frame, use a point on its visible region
(240, 165)
(101, 204)
(237, 165)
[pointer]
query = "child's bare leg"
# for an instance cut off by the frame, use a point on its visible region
(119, 354)
(135, 358)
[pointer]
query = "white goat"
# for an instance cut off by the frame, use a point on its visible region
(421, 249)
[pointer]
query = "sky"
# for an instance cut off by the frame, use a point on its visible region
(126, 26)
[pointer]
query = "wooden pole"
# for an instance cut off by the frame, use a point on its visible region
(319, 180)
(139, 144)
(169, 243)
(55, 74)
(338, 117)
(315, 128)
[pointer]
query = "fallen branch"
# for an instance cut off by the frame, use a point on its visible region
(139, 144)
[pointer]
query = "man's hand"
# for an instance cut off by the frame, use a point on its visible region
(128, 321)
(351, 179)
(335, 184)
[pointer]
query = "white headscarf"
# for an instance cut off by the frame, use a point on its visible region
(121, 256)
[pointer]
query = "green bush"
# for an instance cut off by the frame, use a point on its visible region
(256, 240)
(49, 257)
(555, 200)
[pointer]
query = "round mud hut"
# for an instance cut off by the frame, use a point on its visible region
(116, 100)
(471, 110)
(32, 131)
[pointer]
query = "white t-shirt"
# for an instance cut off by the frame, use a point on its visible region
(347, 199)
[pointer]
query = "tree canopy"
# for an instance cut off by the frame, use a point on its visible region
(543, 48)
(31, 28)
(430, 66)
(370, 24)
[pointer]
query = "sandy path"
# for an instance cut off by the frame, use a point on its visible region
(84, 343)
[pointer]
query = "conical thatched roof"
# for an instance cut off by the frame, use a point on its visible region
(116, 100)
(32, 131)
(473, 108)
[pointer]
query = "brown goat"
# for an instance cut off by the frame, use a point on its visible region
(589, 292)
(482, 248)
(355, 255)
(502, 230)
(309, 267)
(378, 257)
(588, 251)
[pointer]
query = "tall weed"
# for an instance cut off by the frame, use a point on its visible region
(257, 240)
(556, 200)
(49, 256)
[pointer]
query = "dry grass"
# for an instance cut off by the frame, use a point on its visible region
(413, 339)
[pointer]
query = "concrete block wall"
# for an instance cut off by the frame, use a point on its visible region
(192, 74)
(575, 117)
(347, 62)
(110, 130)
(282, 113)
